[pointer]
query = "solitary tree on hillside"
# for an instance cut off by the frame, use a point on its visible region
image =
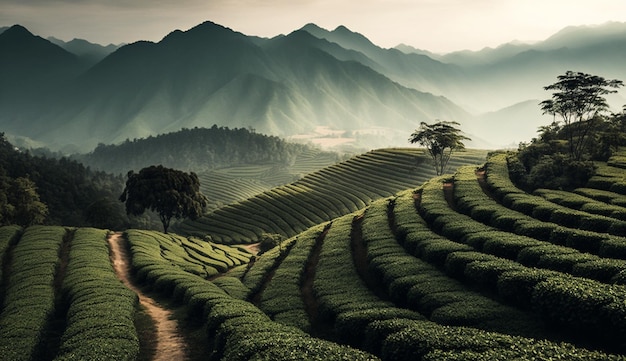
(169, 192)
(441, 140)
(578, 99)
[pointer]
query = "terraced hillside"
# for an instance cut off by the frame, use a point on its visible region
(229, 185)
(456, 269)
(61, 299)
(320, 196)
(464, 266)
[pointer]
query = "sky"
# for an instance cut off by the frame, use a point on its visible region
(439, 26)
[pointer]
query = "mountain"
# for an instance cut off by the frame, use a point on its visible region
(289, 85)
(417, 71)
(89, 52)
(30, 68)
(213, 75)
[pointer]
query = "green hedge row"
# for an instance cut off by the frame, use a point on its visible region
(603, 196)
(344, 298)
(101, 310)
(257, 271)
(542, 224)
(329, 193)
(281, 299)
(580, 202)
(496, 173)
(8, 236)
(521, 248)
(29, 300)
(419, 340)
(201, 258)
(418, 285)
(608, 178)
(508, 275)
(236, 329)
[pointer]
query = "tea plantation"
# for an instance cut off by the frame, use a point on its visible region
(380, 261)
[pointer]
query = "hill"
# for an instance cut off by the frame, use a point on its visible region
(74, 194)
(198, 78)
(88, 52)
(197, 149)
(321, 196)
(462, 267)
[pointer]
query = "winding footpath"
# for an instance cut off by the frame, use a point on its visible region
(170, 344)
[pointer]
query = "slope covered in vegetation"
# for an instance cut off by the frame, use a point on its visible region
(466, 266)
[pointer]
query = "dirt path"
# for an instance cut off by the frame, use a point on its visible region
(170, 344)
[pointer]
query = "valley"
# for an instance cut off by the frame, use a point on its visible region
(305, 222)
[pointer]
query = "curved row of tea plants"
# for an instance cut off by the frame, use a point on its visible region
(29, 299)
(560, 248)
(320, 196)
(497, 176)
(100, 309)
(235, 329)
(205, 259)
(355, 313)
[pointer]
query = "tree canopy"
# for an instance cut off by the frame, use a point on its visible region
(441, 139)
(169, 192)
(578, 98)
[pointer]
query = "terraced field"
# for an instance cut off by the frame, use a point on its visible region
(464, 266)
(321, 196)
(230, 185)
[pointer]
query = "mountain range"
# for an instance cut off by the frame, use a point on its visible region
(72, 96)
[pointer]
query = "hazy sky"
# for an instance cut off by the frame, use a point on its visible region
(435, 25)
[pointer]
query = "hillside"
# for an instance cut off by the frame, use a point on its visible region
(322, 195)
(198, 77)
(287, 86)
(198, 150)
(462, 267)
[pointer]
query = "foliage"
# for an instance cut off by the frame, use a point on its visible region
(20, 203)
(30, 287)
(269, 241)
(197, 149)
(579, 100)
(101, 310)
(169, 192)
(440, 139)
(64, 186)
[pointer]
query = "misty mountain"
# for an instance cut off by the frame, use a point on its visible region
(213, 75)
(31, 68)
(88, 52)
(287, 85)
(417, 71)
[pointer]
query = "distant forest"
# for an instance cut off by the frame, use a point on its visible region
(74, 194)
(196, 149)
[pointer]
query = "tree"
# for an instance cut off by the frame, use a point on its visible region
(169, 192)
(440, 139)
(579, 100)
(19, 202)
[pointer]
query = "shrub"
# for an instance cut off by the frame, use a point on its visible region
(534, 229)
(486, 273)
(516, 286)
(603, 269)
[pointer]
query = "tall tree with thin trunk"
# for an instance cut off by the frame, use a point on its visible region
(578, 99)
(440, 139)
(169, 192)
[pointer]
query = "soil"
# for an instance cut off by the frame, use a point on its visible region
(170, 343)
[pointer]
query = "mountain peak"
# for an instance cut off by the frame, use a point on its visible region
(17, 32)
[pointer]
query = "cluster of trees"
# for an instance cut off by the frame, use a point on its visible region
(582, 132)
(36, 190)
(196, 149)
(562, 156)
